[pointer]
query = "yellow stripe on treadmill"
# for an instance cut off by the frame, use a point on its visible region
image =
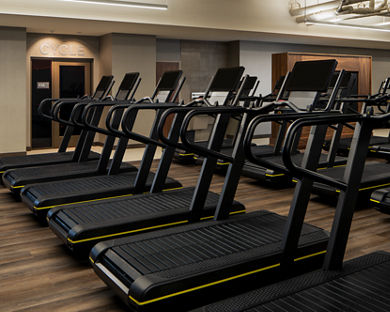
(309, 256)
(98, 199)
(2, 172)
(16, 187)
(127, 232)
(90, 259)
(375, 186)
(223, 163)
(204, 286)
(143, 229)
(274, 175)
(375, 201)
(219, 281)
(191, 154)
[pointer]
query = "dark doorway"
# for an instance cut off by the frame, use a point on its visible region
(40, 89)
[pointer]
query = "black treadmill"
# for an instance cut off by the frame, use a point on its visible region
(43, 196)
(62, 156)
(360, 284)
(376, 175)
(16, 179)
(379, 145)
(82, 225)
(215, 94)
(304, 85)
(174, 268)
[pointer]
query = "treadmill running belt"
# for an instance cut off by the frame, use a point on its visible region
(363, 285)
(158, 267)
(17, 178)
(81, 225)
(43, 196)
(39, 159)
(254, 171)
(375, 175)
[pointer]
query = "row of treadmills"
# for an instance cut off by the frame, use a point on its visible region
(162, 247)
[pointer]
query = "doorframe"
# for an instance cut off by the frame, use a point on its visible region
(53, 59)
(55, 71)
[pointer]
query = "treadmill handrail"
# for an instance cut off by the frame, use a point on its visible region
(46, 101)
(89, 106)
(131, 113)
(163, 119)
(262, 161)
(300, 172)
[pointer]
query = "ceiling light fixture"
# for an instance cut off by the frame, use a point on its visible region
(120, 3)
(347, 26)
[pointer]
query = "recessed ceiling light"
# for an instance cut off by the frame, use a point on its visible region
(347, 26)
(130, 4)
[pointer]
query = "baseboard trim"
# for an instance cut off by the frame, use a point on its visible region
(139, 145)
(12, 154)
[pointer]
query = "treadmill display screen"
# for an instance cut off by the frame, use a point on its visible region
(311, 76)
(227, 79)
(102, 86)
(169, 80)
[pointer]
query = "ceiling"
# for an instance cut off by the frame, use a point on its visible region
(223, 20)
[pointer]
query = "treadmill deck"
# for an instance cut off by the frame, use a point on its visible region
(160, 268)
(363, 285)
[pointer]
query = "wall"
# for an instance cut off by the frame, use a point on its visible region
(13, 116)
(59, 46)
(199, 62)
(120, 54)
(257, 59)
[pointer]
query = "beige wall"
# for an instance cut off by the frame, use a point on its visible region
(61, 47)
(120, 54)
(13, 115)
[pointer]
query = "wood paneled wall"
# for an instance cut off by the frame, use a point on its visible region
(362, 64)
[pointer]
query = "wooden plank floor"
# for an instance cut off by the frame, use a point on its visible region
(38, 274)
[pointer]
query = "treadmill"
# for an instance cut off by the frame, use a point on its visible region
(379, 145)
(376, 176)
(304, 87)
(41, 197)
(360, 284)
(216, 94)
(62, 156)
(174, 269)
(16, 179)
(82, 225)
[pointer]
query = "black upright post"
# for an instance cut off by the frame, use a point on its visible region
(208, 167)
(65, 139)
(233, 173)
(167, 156)
(300, 201)
(348, 198)
(147, 159)
(109, 143)
(97, 114)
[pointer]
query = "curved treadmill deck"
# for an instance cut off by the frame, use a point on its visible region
(15, 179)
(44, 196)
(199, 262)
(12, 162)
(362, 285)
(257, 172)
(376, 175)
(81, 226)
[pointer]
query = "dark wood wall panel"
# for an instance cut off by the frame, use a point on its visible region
(362, 64)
